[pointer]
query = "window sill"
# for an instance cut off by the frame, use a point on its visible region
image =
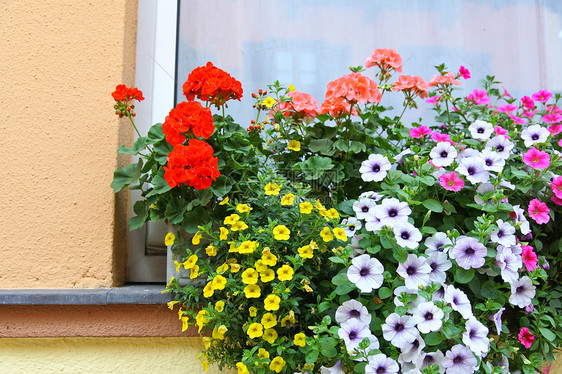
(135, 294)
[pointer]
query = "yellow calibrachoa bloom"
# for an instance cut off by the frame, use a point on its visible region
(272, 189)
(243, 208)
(313, 245)
(201, 319)
(326, 234)
(231, 219)
(216, 334)
(255, 330)
(194, 272)
(219, 306)
(234, 268)
(223, 234)
(260, 266)
(242, 369)
(306, 251)
(318, 205)
(300, 339)
(204, 361)
(305, 207)
(247, 246)
(263, 354)
(288, 319)
(169, 239)
(267, 275)
(171, 304)
(306, 285)
(291, 88)
(206, 342)
(268, 320)
(252, 291)
(190, 262)
(268, 258)
(208, 290)
(277, 364)
(222, 329)
(211, 250)
(221, 269)
(224, 201)
(340, 234)
(219, 282)
(196, 238)
(288, 199)
(268, 102)
(238, 226)
(281, 232)
(294, 145)
(250, 276)
(177, 265)
(285, 273)
(271, 302)
(253, 311)
(270, 335)
(332, 213)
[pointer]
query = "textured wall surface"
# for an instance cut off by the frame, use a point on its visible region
(60, 61)
(101, 355)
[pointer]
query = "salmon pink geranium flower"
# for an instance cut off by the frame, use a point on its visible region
(386, 59)
(411, 84)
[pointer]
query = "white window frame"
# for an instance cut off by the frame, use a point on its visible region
(154, 75)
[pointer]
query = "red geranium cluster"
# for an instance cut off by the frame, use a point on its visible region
(347, 90)
(185, 117)
(124, 97)
(209, 83)
(192, 164)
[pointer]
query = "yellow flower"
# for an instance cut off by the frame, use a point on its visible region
(224, 201)
(270, 335)
(196, 238)
(255, 330)
(332, 213)
(291, 88)
(231, 219)
(268, 320)
(208, 290)
(294, 145)
(243, 208)
(306, 285)
(234, 268)
(206, 342)
(267, 275)
(263, 354)
(252, 291)
(219, 282)
(340, 234)
(242, 369)
(305, 207)
(190, 262)
(277, 364)
(288, 199)
(281, 232)
(219, 306)
(194, 272)
(253, 311)
(204, 361)
(268, 102)
(223, 234)
(177, 264)
(306, 252)
(272, 189)
(300, 339)
(247, 246)
(171, 304)
(313, 245)
(318, 205)
(169, 239)
(170, 282)
(216, 334)
(201, 319)
(222, 329)
(326, 234)
(180, 313)
(250, 276)
(271, 302)
(289, 319)
(285, 272)
(238, 226)
(268, 258)
(211, 250)
(260, 266)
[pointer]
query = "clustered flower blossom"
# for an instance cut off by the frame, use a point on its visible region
(342, 93)
(192, 164)
(209, 83)
(124, 97)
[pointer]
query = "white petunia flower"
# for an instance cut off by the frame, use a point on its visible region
(351, 226)
(374, 168)
(439, 264)
(439, 242)
(481, 129)
(476, 337)
(364, 207)
(522, 292)
(459, 360)
(399, 330)
(428, 317)
(353, 331)
(431, 358)
(534, 134)
(469, 252)
(381, 364)
(493, 161)
(366, 273)
(352, 309)
(415, 271)
(504, 235)
(412, 351)
(473, 169)
(407, 235)
(458, 301)
(500, 144)
(392, 211)
(443, 154)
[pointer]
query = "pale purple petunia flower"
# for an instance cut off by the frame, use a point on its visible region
(381, 364)
(481, 129)
(412, 305)
(524, 226)
(428, 317)
(473, 169)
(509, 264)
(373, 224)
(392, 211)
(353, 331)
(374, 168)
(504, 235)
(469, 252)
(352, 309)
(443, 154)
(497, 319)
(366, 273)
(415, 271)
(476, 336)
(364, 207)
(336, 369)
(534, 134)
(375, 196)
(500, 144)
(439, 264)
(459, 360)
(493, 161)
(399, 330)
(458, 301)
(439, 242)
(431, 358)
(351, 226)
(412, 350)
(407, 235)
(522, 292)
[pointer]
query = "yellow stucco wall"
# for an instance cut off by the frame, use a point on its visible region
(101, 355)
(60, 61)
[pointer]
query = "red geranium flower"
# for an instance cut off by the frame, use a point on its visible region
(192, 164)
(188, 116)
(209, 83)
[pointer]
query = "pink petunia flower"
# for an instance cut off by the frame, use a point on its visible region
(556, 200)
(538, 211)
(528, 113)
(528, 102)
(433, 99)
(439, 137)
(555, 129)
(517, 120)
(526, 338)
(420, 132)
(507, 108)
(543, 96)
(451, 181)
(552, 118)
(557, 187)
(529, 257)
(480, 97)
(536, 159)
(464, 72)
(500, 131)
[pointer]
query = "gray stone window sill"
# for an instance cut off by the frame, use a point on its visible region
(133, 294)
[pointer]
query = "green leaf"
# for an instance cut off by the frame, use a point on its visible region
(315, 166)
(488, 290)
(357, 147)
(139, 145)
(175, 210)
(344, 289)
(347, 207)
(341, 145)
(340, 279)
(536, 359)
(433, 205)
(433, 338)
(322, 146)
(449, 207)
(464, 276)
(161, 151)
(385, 293)
(160, 185)
(427, 180)
(549, 335)
(141, 215)
(124, 177)
(155, 134)
(312, 356)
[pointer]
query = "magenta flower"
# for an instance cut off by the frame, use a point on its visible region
(529, 257)
(517, 120)
(480, 97)
(528, 102)
(552, 118)
(507, 108)
(433, 99)
(557, 187)
(543, 96)
(464, 72)
(555, 130)
(538, 211)
(526, 338)
(451, 181)
(536, 159)
(438, 137)
(500, 131)
(420, 132)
